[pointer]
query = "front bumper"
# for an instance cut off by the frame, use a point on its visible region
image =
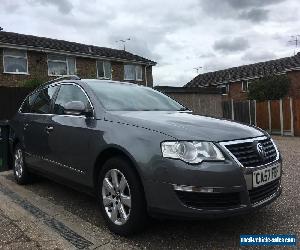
(232, 194)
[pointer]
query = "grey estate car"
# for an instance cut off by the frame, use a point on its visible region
(142, 153)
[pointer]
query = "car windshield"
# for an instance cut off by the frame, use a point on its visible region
(124, 97)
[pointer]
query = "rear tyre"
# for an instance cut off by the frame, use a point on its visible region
(21, 174)
(121, 196)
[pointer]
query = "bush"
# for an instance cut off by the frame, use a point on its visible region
(33, 83)
(269, 88)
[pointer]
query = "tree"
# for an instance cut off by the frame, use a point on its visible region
(269, 88)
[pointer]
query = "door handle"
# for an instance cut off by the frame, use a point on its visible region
(49, 129)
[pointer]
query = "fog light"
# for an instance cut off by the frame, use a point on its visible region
(192, 189)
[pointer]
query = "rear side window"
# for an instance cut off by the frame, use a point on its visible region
(69, 93)
(28, 103)
(42, 103)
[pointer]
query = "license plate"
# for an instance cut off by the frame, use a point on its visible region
(266, 175)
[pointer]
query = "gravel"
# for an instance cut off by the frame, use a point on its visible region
(280, 217)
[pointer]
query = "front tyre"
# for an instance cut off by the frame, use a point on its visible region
(121, 197)
(21, 174)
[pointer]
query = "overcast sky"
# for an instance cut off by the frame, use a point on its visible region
(178, 35)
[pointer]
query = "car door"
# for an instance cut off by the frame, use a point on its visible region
(69, 141)
(37, 129)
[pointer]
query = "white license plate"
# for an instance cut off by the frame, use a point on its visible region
(266, 175)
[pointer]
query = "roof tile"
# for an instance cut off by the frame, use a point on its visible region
(65, 46)
(246, 71)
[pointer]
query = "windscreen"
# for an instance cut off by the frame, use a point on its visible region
(123, 97)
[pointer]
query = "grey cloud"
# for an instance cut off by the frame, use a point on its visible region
(255, 15)
(242, 4)
(252, 10)
(207, 55)
(10, 6)
(259, 56)
(231, 45)
(64, 6)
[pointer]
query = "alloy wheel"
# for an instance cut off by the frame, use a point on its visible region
(19, 163)
(116, 196)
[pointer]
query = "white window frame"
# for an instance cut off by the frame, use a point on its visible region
(103, 77)
(61, 61)
(15, 73)
(135, 75)
(226, 86)
(247, 85)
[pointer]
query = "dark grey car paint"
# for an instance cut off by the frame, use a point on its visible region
(71, 150)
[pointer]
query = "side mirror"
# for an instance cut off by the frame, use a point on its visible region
(75, 108)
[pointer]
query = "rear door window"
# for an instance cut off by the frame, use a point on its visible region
(28, 103)
(42, 103)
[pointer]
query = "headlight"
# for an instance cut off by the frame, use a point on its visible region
(191, 152)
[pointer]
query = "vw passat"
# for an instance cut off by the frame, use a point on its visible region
(142, 153)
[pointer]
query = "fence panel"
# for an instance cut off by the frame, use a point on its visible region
(226, 106)
(241, 111)
(10, 100)
(275, 116)
(262, 115)
(253, 112)
(296, 112)
(286, 110)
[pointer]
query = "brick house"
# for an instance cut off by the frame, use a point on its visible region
(25, 57)
(235, 81)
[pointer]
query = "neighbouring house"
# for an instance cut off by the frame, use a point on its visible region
(234, 81)
(25, 57)
(276, 116)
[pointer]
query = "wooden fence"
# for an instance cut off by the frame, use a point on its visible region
(10, 100)
(203, 101)
(276, 116)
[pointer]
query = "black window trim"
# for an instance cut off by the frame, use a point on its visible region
(36, 91)
(54, 99)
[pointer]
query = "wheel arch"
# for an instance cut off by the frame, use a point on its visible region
(110, 152)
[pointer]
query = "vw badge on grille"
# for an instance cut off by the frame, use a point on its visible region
(260, 150)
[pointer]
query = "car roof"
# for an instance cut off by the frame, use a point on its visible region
(87, 81)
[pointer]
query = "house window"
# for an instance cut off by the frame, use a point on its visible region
(59, 65)
(15, 61)
(225, 89)
(104, 69)
(245, 86)
(133, 72)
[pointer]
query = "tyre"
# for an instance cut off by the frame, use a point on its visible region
(21, 174)
(121, 195)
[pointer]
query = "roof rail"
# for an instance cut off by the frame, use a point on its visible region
(69, 77)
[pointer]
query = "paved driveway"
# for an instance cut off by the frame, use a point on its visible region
(79, 214)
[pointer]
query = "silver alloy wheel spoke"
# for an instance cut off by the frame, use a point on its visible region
(126, 200)
(122, 212)
(109, 187)
(18, 163)
(114, 178)
(114, 214)
(116, 196)
(122, 184)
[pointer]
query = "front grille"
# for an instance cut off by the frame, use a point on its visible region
(261, 193)
(248, 156)
(209, 200)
